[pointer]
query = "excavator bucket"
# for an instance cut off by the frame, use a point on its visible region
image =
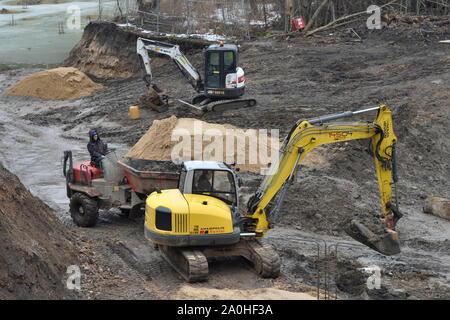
(155, 99)
(373, 235)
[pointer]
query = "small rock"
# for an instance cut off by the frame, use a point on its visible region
(400, 294)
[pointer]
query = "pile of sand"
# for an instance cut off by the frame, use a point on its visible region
(57, 84)
(180, 139)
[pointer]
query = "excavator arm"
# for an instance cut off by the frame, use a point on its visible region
(309, 134)
(173, 51)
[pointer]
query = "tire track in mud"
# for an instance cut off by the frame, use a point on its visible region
(142, 258)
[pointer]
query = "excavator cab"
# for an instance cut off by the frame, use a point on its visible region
(216, 183)
(205, 206)
(223, 79)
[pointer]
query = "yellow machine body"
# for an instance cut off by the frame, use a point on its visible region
(306, 137)
(176, 219)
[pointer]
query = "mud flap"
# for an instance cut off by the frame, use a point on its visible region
(385, 243)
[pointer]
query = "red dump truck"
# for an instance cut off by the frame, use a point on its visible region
(123, 183)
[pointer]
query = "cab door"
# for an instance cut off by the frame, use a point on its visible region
(218, 65)
(213, 70)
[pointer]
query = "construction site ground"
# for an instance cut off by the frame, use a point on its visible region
(297, 78)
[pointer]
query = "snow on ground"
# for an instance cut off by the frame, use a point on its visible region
(206, 36)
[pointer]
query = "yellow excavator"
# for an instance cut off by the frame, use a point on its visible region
(200, 219)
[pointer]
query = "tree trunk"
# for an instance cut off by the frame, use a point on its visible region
(315, 15)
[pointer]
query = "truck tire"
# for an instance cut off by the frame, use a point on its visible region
(83, 210)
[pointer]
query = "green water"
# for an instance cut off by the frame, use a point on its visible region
(36, 39)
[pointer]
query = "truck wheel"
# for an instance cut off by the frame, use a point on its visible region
(83, 210)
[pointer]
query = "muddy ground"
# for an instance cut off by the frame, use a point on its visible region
(403, 67)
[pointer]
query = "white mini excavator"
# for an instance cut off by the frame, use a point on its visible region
(224, 83)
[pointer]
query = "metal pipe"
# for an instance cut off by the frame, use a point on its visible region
(340, 115)
(366, 110)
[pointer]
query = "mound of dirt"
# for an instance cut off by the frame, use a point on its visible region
(108, 51)
(180, 139)
(35, 248)
(57, 84)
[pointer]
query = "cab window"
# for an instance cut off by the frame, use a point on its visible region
(213, 70)
(228, 61)
(215, 183)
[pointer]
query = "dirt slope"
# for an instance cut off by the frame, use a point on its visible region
(107, 51)
(35, 248)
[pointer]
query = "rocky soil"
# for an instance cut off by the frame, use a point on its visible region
(35, 247)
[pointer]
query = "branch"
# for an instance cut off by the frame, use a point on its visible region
(314, 17)
(332, 23)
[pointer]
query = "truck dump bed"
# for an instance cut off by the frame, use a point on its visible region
(145, 175)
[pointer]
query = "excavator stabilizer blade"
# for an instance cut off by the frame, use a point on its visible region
(385, 242)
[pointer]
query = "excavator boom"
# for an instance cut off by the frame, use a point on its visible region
(307, 135)
(173, 51)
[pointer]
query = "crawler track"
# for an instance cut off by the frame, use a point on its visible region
(224, 105)
(190, 264)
